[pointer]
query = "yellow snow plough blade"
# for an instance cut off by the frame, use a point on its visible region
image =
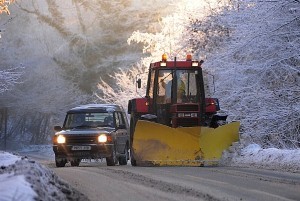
(159, 145)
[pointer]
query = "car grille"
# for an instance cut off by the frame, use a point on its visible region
(81, 139)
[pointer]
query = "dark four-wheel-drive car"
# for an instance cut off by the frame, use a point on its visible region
(93, 131)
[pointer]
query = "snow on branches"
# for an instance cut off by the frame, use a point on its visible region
(9, 78)
(171, 39)
(252, 48)
(175, 37)
(258, 72)
(4, 6)
(125, 88)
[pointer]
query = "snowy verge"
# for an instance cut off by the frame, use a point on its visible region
(241, 154)
(23, 179)
(254, 155)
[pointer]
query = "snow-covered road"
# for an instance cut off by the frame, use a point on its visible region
(33, 174)
(100, 182)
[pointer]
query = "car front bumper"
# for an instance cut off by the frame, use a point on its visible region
(83, 151)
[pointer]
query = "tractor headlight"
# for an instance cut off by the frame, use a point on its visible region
(61, 139)
(195, 64)
(163, 64)
(102, 138)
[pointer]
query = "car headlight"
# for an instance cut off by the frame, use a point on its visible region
(61, 139)
(102, 138)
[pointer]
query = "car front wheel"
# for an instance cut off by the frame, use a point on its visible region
(60, 162)
(112, 160)
(124, 158)
(75, 162)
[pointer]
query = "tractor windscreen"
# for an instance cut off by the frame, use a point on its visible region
(186, 86)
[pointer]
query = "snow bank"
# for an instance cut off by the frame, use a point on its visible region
(23, 179)
(254, 155)
(7, 159)
(15, 187)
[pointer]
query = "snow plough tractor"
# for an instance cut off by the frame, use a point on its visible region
(175, 124)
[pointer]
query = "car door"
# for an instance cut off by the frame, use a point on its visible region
(121, 132)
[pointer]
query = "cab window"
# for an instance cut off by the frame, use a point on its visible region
(151, 83)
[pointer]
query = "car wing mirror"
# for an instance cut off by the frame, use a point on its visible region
(57, 128)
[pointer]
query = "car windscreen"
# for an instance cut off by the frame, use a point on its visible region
(88, 120)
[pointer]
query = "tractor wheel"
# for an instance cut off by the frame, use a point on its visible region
(132, 160)
(133, 119)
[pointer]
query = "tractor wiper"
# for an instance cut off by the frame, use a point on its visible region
(161, 80)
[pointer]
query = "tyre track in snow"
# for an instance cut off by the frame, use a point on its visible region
(100, 182)
(159, 184)
(264, 175)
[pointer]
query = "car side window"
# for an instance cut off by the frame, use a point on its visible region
(109, 121)
(121, 119)
(117, 120)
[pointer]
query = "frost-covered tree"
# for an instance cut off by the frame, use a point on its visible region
(171, 39)
(258, 71)
(4, 4)
(121, 95)
(10, 77)
(90, 36)
(38, 104)
(252, 48)
(76, 43)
